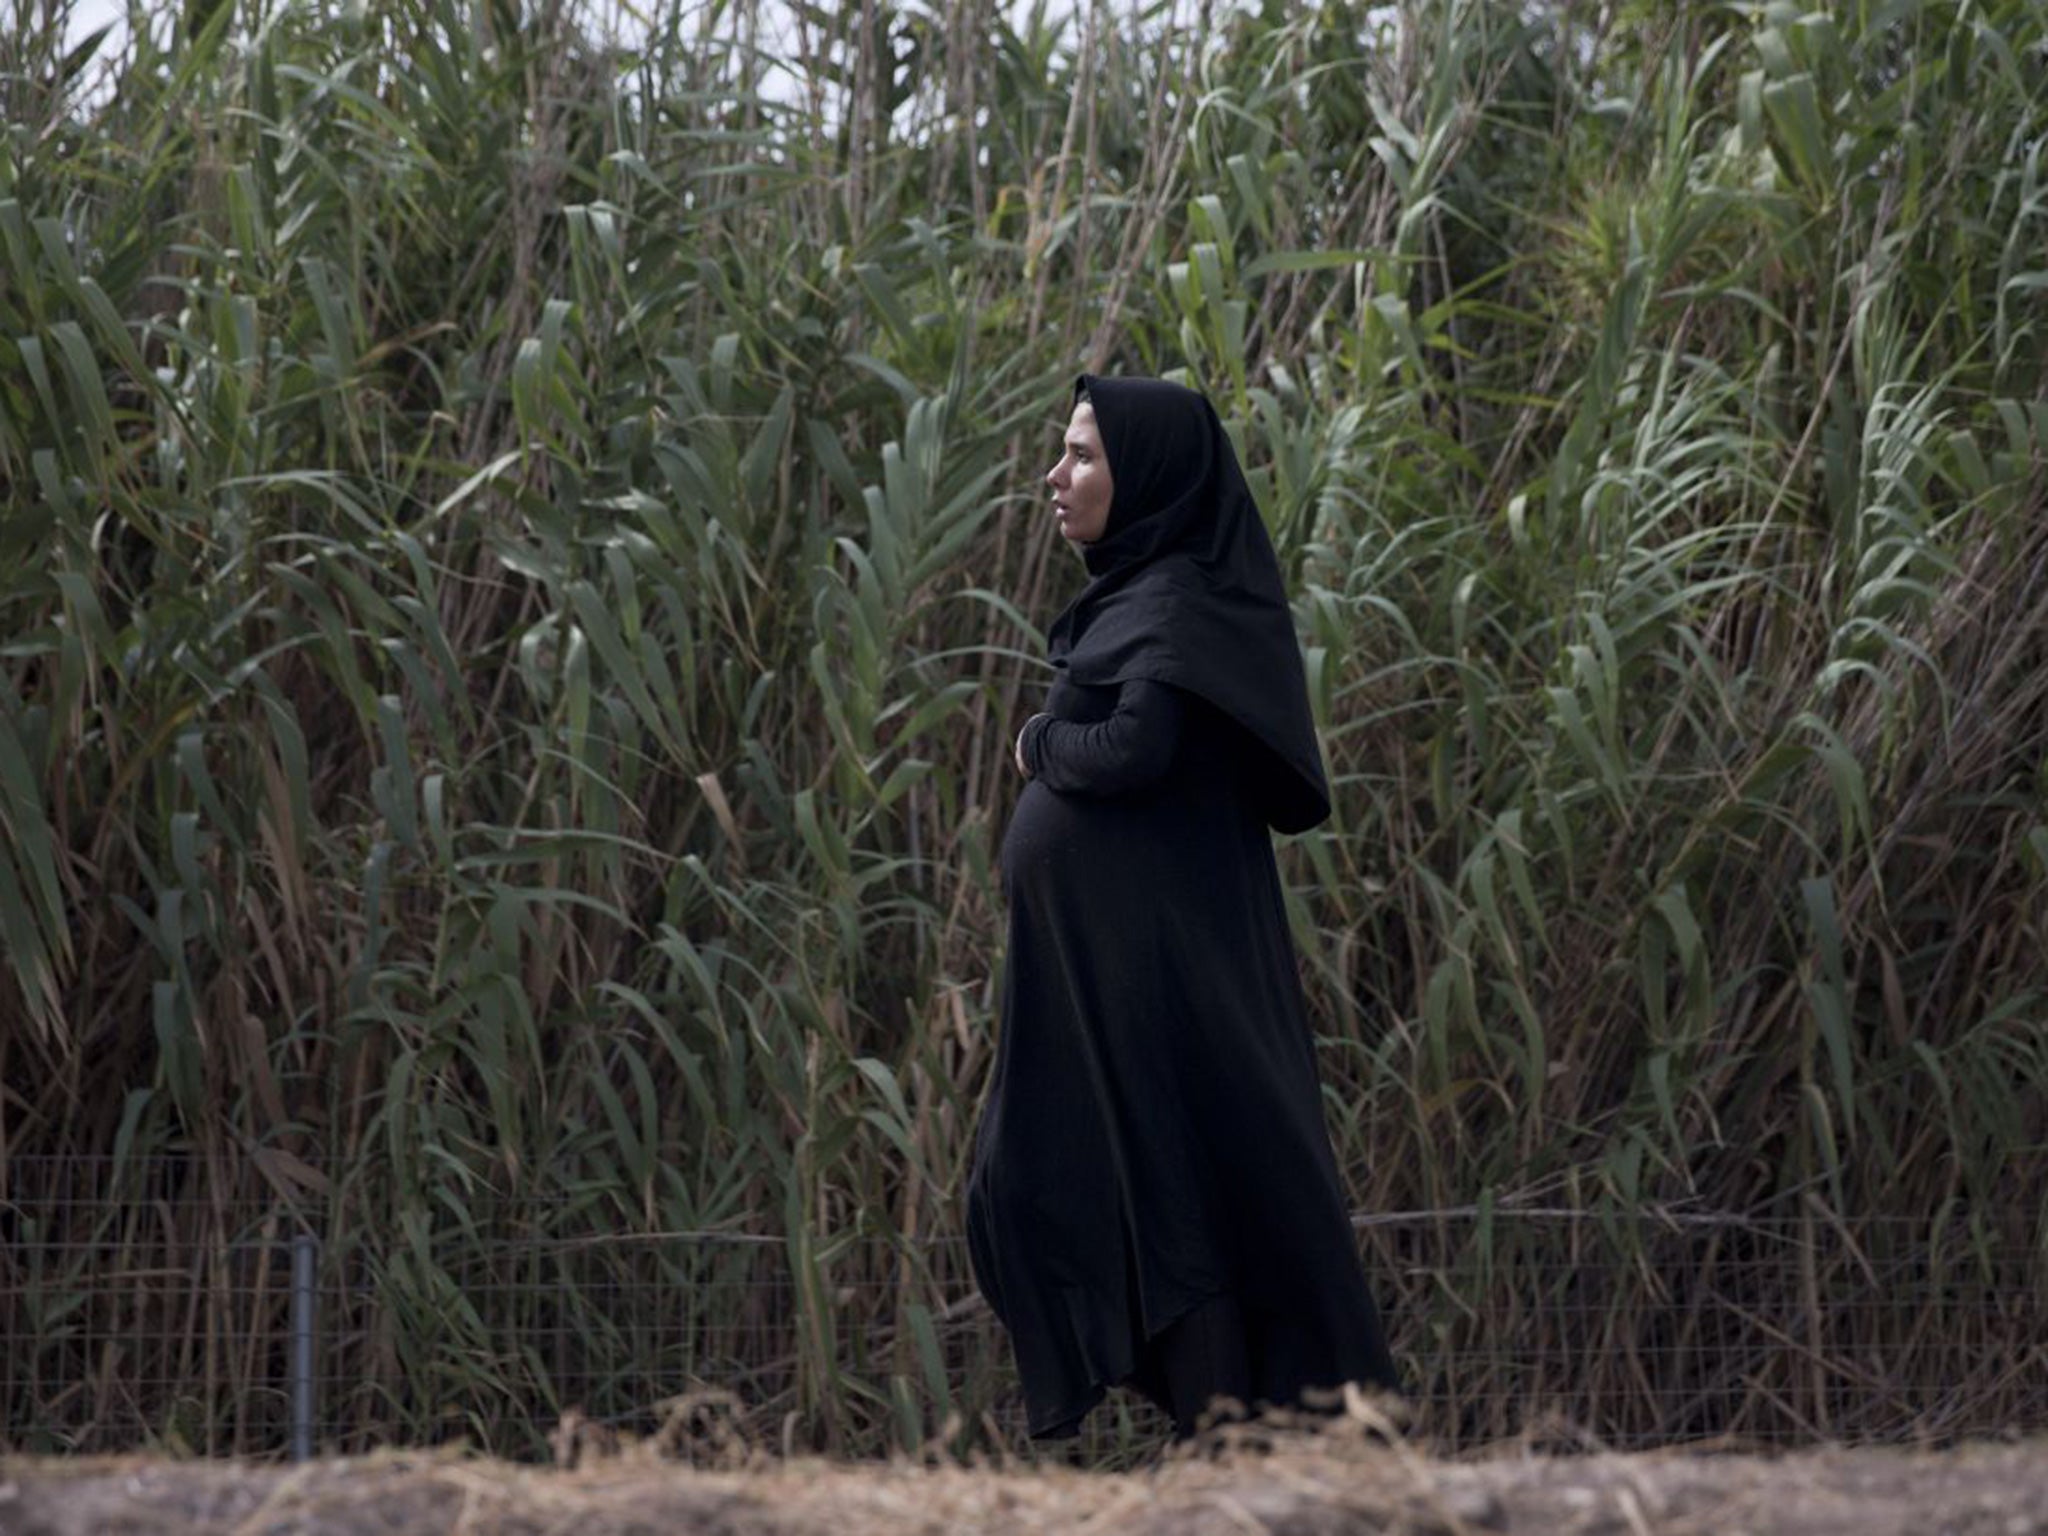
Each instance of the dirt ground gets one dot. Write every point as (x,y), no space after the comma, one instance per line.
(1232,1480)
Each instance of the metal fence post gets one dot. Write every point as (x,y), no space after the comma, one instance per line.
(305,1258)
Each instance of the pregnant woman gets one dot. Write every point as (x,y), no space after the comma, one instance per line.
(1153,1201)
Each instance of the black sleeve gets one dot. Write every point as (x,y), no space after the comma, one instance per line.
(1127,751)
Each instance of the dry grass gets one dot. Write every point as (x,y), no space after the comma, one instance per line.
(1233,1479)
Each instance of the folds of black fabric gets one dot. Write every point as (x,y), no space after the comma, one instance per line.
(1152,1151)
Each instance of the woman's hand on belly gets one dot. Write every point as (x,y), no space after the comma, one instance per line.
(1017,750)
(1024,767)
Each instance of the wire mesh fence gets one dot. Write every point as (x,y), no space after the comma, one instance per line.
(152,1303)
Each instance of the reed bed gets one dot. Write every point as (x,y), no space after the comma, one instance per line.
(522,558)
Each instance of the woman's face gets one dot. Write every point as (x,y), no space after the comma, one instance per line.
(1080,481)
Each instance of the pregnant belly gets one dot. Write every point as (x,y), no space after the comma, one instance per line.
(1089,849)
(1047,842)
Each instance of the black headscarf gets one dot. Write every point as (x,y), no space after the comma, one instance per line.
(1186,588)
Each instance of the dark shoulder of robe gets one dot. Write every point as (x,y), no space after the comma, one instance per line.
(1153,1137)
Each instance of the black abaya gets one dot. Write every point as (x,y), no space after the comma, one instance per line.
(1153,1199)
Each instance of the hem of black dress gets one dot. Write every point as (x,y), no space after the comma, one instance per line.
(1066,1424)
